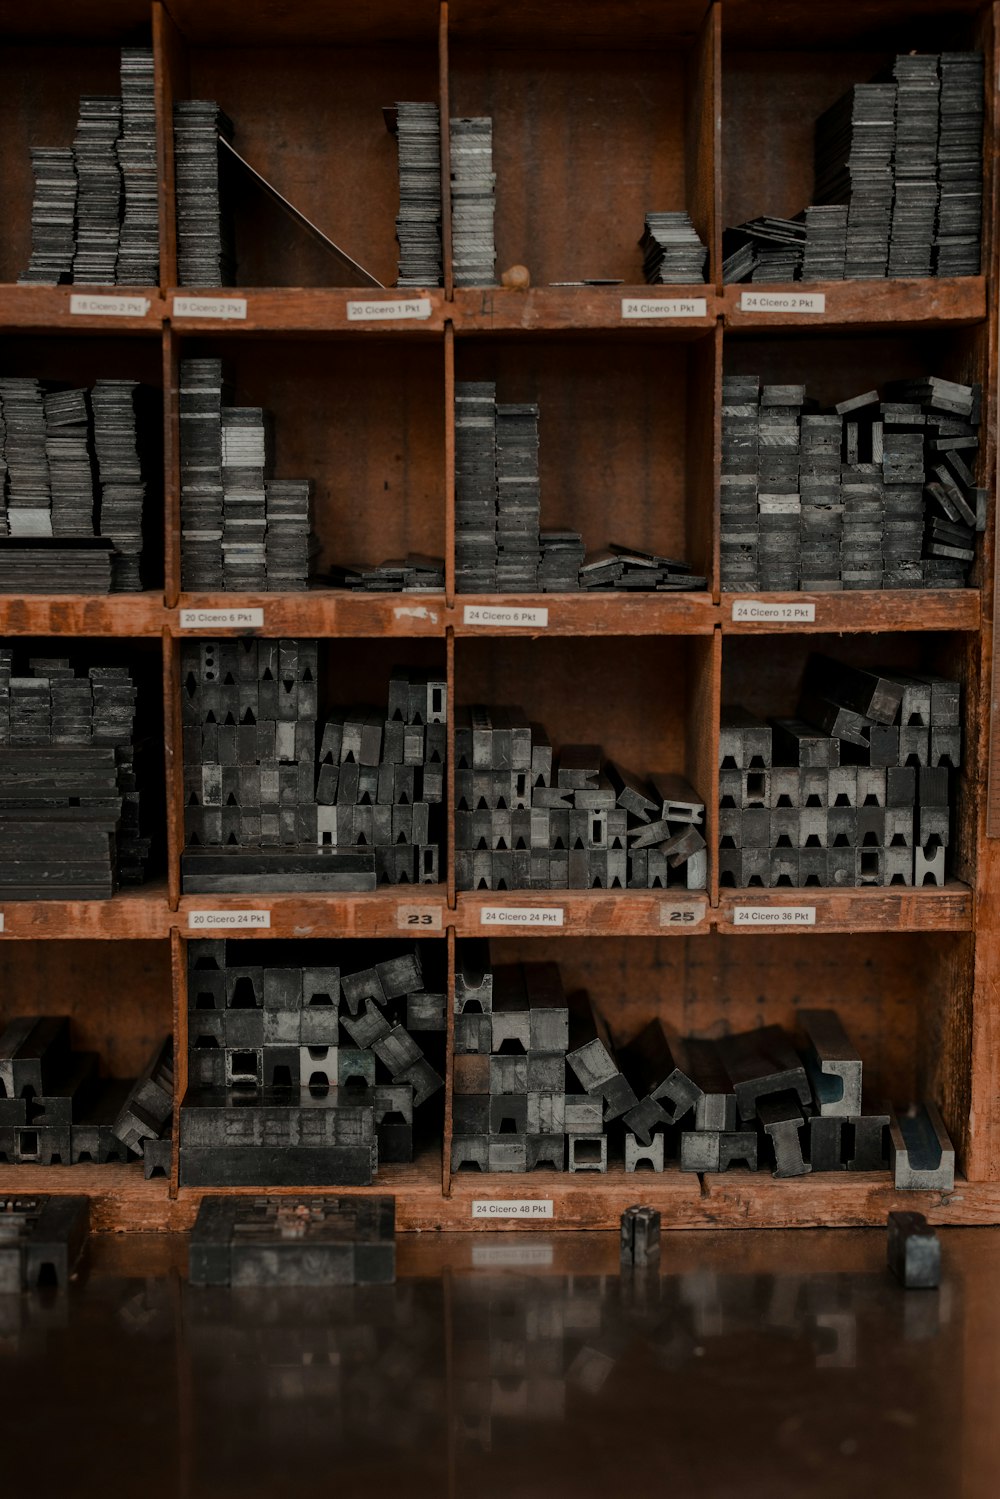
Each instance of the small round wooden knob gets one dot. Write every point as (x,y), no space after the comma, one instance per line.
(517,278)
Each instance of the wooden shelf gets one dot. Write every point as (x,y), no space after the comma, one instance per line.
(321,612)
(926,302)
(376,913)
(947,908)
(583,309)
(584,913)
(858,612)
(120,1198)
(138,913)
(118,614)
(314,310)
(588,614)
(47,309)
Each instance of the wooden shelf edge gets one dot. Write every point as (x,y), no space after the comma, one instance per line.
(317,612)
(123,1202)
(923,302)
(567,309)
(141,914)
(378,913)
(849,612)
(584,913)
(585,614)
(117,614)
(895,908)
(47,309)
(345,311)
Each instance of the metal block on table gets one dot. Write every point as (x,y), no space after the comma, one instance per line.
(913,1251)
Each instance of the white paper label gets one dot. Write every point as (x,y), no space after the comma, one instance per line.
(198,921)
(790,614)
(485,1256)
(683,913)
(1,921)
(532,1207)
(521,916)
(493,614)
(774,916)
(223,619)
(783,301)
(652,307)
(380,312)
(419,918)
(213,307)
(83,306)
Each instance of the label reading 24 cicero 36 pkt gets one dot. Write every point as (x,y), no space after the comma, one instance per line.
(774,916)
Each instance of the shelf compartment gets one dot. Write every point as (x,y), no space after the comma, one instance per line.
(860,611)
(584,613)
(651,101)
(635,467)
(320,139)
(924,302)
(371,438)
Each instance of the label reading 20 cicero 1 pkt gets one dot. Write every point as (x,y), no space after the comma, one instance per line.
(530,1207)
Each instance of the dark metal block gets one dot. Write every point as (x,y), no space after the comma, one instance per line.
(913,1251)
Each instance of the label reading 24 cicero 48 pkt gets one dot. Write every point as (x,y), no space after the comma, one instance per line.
(520,1207)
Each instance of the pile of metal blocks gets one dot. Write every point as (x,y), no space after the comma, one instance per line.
(56,1109)
(854,791)
(300,1074)
(530,818)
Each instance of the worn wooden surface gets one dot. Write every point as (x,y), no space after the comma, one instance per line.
(710,107)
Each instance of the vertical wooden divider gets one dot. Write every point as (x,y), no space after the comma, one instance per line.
(449,463)
(178,973)
(982,1162)
(450,767)
(703,166)
(444,105)
(449,1069)
(171,467)
(173,758)
(718,356)
(170,82)
(702,740)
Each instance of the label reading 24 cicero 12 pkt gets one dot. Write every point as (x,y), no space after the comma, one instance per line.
(763,611)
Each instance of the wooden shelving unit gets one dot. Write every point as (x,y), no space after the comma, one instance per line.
(704,104)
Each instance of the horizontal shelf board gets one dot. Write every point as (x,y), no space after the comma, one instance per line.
(856,612)
(378,913)
(947,908)
(556,309)
(139,913)
(312,310)
(924,302)
(587,614)
(120,1197)
(122,1201)
(582,913)
(82,614)
(320,612)
(48,309)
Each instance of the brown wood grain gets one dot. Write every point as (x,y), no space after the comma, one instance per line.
(128,614)
(171,82)
(921,303)
(314,310)
(46,308)
(589,614)
(947,908)
(321,612)
(573,309)
(141,913)
(852,611)
(373,914)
